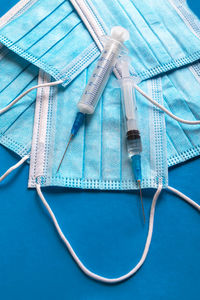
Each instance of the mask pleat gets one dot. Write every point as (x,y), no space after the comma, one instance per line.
(145,25)
(176,133)
(16,78)
(153,34)
(163,38)
(51,37)
(111,133)
(34,38)
(39,30)
(188,90)
(13,66)
(18,137)
(92,144)
(92,141)
(33,17)
(55,37)
(174,100)
(175,24)
(181,98)
(65,114)
(171,148)
(139,59)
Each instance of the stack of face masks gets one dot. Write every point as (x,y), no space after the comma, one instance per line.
(61,41)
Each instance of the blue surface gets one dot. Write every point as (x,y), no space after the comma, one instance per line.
(106,230)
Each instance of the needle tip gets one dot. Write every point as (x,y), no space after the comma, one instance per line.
(64,153)
(139,183)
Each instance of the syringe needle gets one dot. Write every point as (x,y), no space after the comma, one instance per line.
(141,200)
(65,152)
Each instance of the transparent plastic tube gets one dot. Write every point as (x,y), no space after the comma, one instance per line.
(99,78)
(134,145)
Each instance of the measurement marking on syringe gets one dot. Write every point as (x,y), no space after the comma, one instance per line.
(96,75)
(89,93)
(100,67)
(92,83)
(101,59)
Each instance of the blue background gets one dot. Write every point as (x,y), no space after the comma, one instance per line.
(105,229)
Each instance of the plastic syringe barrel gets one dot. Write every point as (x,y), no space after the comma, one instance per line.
(134,144)
(102,71)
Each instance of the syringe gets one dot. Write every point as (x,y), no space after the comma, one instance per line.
(134,145)
(99,78)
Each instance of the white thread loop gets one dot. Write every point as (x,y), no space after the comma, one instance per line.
(184,197)
(3,110)
(14,167)
(78,261)
(165,110)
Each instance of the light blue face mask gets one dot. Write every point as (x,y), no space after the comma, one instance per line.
(181,96)
(97,158)
(56,40)
(16,76)
(51,37)
(16,125)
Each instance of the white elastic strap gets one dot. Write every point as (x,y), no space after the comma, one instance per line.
(184,197)
(28,91)
(164,109)
(77,260)
(14,167)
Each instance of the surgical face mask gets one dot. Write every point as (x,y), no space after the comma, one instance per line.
(181,97)
(16,125)
(63,37)
(16,76)
(51,38)
(97,157)
(42,160)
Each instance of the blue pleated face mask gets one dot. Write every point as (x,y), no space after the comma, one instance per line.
(16,76)
(181,97)
(16,124)
(56,39)
(97,157)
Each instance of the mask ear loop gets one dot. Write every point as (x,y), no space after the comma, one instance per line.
(164,109)
(3,110)
(184,197)
(148,240)
(78,261)
(17,165)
